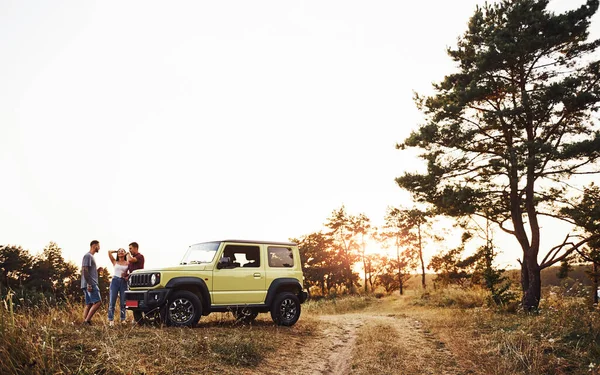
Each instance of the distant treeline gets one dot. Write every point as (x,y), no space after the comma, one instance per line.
(332,257)
(45,277)
(335,259)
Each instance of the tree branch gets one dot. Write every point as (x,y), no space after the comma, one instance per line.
(555,250)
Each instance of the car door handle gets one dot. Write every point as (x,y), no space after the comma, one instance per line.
(256,274)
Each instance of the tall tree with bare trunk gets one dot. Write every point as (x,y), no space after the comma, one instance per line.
(506,133)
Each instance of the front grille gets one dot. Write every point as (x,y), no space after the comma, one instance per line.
(141,279)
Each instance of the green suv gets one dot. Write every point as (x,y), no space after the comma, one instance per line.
(239,276)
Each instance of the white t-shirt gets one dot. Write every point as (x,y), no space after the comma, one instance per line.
(120,270)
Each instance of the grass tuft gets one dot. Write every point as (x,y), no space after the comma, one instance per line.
(239,351)
(337,305)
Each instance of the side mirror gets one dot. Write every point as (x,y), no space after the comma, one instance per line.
(223,262)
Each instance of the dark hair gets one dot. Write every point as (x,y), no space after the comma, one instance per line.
(124,254)
(135,244)
(94,242)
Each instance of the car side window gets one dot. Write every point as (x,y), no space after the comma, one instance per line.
(242,256)
(280,256)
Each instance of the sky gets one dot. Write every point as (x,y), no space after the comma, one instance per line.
(173,123)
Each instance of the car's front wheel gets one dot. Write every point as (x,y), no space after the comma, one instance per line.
(285,310)
(184,309)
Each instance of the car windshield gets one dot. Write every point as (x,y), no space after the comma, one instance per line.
(200,253)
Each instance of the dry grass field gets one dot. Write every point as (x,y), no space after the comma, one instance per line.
(441,332)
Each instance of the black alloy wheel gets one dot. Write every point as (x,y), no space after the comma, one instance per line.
(184,309)
(285,310)
(244,314)
(138,317)
(155,317)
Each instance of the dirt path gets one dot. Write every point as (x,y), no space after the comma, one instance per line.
(332,350)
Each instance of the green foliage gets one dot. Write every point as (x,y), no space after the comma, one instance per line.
(504,133)
(396,273)
(35,280)
(400,228)
(344,230)
(450,269)
(564,269)
(328,258)
(408,227)
(320,265)
(494,279)
(475,270)
(585,213)
(375,265)
(15,266)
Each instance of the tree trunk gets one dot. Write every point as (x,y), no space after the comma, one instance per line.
(532,295)
(421,258)
(595,282)
(365,266)
(400,284)
(524,276)
(350,284)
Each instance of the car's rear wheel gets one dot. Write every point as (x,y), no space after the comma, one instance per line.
(154,317)
(184,309)
(244,314)
(285,310)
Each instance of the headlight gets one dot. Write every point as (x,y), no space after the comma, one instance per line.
(155,278)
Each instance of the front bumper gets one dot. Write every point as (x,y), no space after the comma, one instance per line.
(145,300)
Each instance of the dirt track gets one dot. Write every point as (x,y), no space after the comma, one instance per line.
(332,350)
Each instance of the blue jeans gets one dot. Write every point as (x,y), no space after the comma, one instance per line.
(118,285)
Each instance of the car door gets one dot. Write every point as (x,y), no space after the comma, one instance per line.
(243,281)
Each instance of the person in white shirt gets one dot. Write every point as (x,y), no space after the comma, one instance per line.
(118,284)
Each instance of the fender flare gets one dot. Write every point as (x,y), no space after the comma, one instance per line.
(178,282)
(285,282)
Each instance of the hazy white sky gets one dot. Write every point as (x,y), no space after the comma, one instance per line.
(171,123)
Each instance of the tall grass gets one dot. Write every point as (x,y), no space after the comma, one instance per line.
(563,337)
(27,345)
(52,340)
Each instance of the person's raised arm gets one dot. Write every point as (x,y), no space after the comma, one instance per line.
(112,258)
(131,258)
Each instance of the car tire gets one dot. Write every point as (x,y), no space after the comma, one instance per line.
(285,310)
(152,318)
(244,314)
(138,317)
(183,309)
(155,317)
